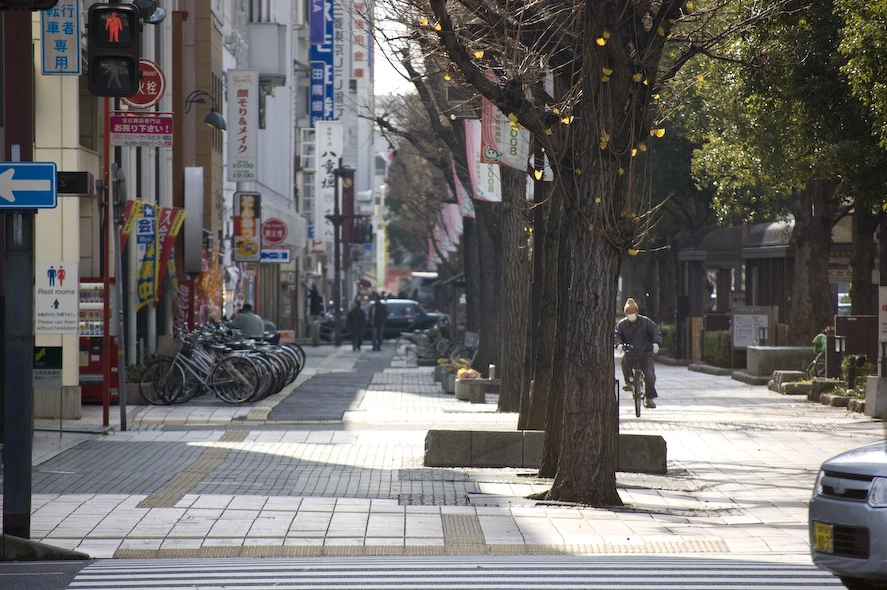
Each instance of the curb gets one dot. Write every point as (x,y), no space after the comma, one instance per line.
(17,549)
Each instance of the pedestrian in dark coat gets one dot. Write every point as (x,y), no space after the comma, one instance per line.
(354,323)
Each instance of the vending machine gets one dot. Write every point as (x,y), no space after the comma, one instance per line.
(92,340)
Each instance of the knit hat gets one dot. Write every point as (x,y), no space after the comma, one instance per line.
(630,306)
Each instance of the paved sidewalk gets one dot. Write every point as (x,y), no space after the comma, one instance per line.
(210,479)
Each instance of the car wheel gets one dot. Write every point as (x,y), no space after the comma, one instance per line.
(862,584)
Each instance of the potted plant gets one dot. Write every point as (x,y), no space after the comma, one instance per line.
(451,368)
(463,391)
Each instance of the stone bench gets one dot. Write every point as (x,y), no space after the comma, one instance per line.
(764,360)
(477,389)
(638,453)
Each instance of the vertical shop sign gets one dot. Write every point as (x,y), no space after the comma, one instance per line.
(146,255)
(243,120)
(60,38)
(247,221)
(321,60)
(329,140)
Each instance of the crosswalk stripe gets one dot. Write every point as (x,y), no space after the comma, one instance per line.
(444,573)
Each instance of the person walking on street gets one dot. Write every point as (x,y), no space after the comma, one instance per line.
(642,335)
(378,315)
(354,323)
(249,322)
(315,303)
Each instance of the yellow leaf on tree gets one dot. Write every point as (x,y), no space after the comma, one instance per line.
(597,200)
(657,132)
(637,77)
(606,71)
(424,22)
(642,147)
(634,152)
(548,131)
(567,120)
(606,34)
(578,172)
(605,78)
(661,31)
(632,251)
(479,53)
(447,77)
(437,27)
(620,172)
(601,41)
(537,174)
(700,77)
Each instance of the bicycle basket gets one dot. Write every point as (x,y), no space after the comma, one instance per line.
(168,346)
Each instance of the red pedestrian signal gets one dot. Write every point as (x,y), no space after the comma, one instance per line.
(113,49)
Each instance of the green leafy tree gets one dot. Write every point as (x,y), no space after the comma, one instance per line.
(782,135)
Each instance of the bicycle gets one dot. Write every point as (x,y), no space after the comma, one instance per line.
(816,368)
(636,360)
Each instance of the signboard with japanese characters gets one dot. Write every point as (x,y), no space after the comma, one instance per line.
(321,60)
(140,130)
(243,122)
(152,86)
(247,224)
(60,38)
(330,141)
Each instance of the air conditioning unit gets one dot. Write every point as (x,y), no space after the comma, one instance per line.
(267,52)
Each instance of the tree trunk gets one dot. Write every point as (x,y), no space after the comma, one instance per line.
(547,406)
(812,307)
(488,274)
(514,293)
(862,261)
(586,470)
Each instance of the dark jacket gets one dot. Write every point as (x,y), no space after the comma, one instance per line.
(355,321)
(640,335)
(378,314)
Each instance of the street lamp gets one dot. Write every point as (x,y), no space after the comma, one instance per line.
(213,118)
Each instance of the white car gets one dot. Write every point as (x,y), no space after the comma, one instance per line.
(848,517)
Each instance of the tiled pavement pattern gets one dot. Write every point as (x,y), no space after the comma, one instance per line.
(214,480)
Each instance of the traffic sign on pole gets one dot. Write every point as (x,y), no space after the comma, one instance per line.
(28,185)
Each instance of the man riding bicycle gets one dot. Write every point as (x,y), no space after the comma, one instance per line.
(641,334)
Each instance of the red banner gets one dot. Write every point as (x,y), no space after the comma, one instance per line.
(169,224)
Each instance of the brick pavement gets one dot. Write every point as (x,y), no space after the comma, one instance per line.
(214,480)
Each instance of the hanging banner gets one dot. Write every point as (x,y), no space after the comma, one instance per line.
(146,255)
(502,142)
(247,221)
(131,212)
(485,180)
(330,140)
(466,205)
(169,224)
(243,117)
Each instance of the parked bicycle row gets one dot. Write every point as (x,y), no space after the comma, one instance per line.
(221,361)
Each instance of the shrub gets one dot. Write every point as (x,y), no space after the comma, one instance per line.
(850,367)
(716,348)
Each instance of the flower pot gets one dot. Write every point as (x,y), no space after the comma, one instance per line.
(438,373)
(463,391)
(449,383)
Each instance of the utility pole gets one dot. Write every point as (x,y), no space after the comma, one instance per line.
(347,175)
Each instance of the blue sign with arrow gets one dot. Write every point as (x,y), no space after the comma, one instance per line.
(28,185)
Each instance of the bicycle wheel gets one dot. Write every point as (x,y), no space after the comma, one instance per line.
(234,380)
(638,378)
(161,381)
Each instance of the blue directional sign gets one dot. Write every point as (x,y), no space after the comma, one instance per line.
(28,185)
(279,255)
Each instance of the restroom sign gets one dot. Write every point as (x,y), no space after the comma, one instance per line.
(56,298)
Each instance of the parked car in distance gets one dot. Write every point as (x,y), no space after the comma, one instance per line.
(404,315)
(848,517)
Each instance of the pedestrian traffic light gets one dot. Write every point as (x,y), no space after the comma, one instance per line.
(113,49)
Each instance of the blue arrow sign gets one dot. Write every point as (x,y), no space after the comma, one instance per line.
(28,185)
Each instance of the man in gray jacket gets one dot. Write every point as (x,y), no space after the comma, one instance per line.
(642,335)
